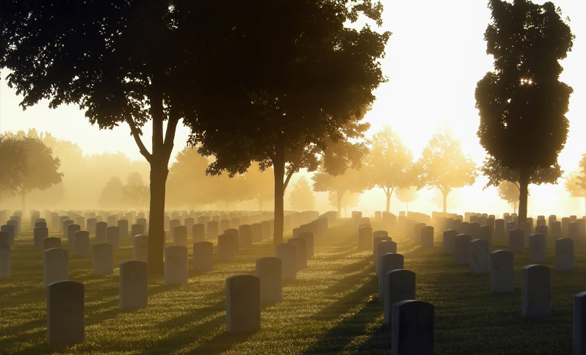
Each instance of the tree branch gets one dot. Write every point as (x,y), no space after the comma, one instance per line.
(136,135)
(171,129)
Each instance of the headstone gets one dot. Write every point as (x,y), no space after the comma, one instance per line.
(180,235)
(398,285)
(140,244)
(580,324)
(542,229)
(270,272)
(233,232)
(388,262)
(142,221)
(203,256)
(526,228)
(536,291)
(39,233)
(301,245)
(565,224)
(55,266)
(189,222)
(412,328)
(502,278)
(122,225)
(224,224)
(288,254)
(365,237)
(72,228)
(175,265)
(449,240)
(499,227)
(242,304)
(133,290)
(103,259)
(256,230)
(474,229)
(479,257)
(510,226)
(556,229)
(4,260)
(91,225)
(227,247)
(51,242)
(537,248)
(427,237)
(198,233)
(101,232)
(172,224)
(11,231)
(564,254)
(113,236)
(136,229)
(383,247)
(65,230)
(213,229)
(111,220)
(462,249)
(486,234)
(81,243)
(516,241)
(308,236)
(574,231)
(65,313)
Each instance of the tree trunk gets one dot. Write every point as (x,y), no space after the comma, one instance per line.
(445,194)
(389,193)
(524,176)
(156,240)
(407,207)
(584,205)
(340,195)
(515,206)
(23,202)
(279,174)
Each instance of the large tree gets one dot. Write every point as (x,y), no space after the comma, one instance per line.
(301,75)
(123,62)
(522,104)
(444,166)
(389,164)
(14,163)
(338,186)
(576,182)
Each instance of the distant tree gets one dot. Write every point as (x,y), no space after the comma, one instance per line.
(41,168)
(260,184)
(112,196)
(509,192)
(302,75)
(407,195)
(135,191)
(522,103)
(188,183)
(350,199)
(389,163)
(14,163)
(443,164)
(302,198)
(351,181)
(576,182)
(230,189)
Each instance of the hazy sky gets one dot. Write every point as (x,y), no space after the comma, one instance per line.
(434,59)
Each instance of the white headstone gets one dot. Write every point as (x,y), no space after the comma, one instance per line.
(133,290)
(270,272)
(175,265)
(55,266)
(479,257)
(288,254)
(203,256)
(537,244)
(103,259)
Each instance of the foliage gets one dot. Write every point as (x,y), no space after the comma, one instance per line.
(135,191)
(112,196)
(407,195)
(522,101)
(509,192)
(298,75)
(497,173)
(14,163)
(389,164)
(352,181)
(576,182)
(444,166)
(349,199)
(301,197)
(260,184)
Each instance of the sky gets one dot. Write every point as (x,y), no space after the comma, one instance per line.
(434,59)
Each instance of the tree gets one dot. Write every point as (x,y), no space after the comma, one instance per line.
(389,163)
(509,192)
(298,78)
(129,62)
(135,191)
(576,182)
(41,168)
(443,164)
(14,163)
(407,195)
(260,184)
(351,181)
(522,103)
(112,196)
(302,198)
(350,199)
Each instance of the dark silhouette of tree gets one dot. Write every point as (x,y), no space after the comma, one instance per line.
(297,78)
(444,166)
(576,182)
(407,195)
(301,197)
(36,168)
(522,103)
(389,164)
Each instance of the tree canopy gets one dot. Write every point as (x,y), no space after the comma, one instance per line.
(351,181)
(509,192)
(444,166)
(576,182)
(389,164)
(301,197)
(298,76)
(14,164)
(522,104)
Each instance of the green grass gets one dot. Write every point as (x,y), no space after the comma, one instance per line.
(332,307)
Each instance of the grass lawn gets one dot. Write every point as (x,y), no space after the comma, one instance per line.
(332,307)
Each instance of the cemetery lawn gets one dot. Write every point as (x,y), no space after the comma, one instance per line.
(331,308)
